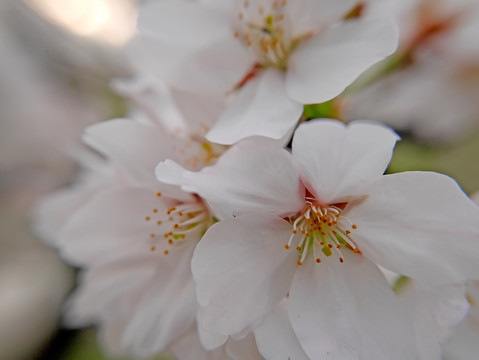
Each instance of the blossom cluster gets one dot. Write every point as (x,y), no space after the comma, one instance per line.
(221,221)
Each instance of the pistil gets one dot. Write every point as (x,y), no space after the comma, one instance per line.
(322,230)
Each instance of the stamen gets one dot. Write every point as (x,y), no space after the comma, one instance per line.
(177,222)
(322,230)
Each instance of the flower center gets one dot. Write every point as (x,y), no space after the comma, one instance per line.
(264,32)
(195,151)
(181,222)
(322,231)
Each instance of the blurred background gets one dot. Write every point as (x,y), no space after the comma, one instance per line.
(57,61)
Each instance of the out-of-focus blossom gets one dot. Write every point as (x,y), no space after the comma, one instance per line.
(269,57)
(433,92)
(134,239)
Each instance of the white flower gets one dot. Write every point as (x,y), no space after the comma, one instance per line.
(433,93)
(133,238)
(441,105)
(312,227)
(274,55)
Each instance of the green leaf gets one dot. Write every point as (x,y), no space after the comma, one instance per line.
(459,160)
(328,109)
(85,347)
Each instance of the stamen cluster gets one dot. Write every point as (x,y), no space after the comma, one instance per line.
(178,223)
(321,229)
(265,34)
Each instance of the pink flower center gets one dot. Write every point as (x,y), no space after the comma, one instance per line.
(322,231)
(188,220)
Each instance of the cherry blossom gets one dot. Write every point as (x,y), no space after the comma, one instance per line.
(268,57)
(132,236)
(312,227)
(437,76)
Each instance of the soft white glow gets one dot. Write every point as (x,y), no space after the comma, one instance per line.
(111,21)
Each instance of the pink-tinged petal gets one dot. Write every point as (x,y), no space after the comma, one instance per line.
(195,46)
(152,97)
(242,270)
(136,294)
(134,146)
(325,65)
(210,339)
(114,224)
(465,343)
(189,347)
(435,312)
(244,348)
(170,172)
(347,311)
(52,212)
(276,338)
(214,69)
(159,320)
(260,108)
(103,285)
(421,225)
(200,111)
(338,161)
(185,23)
(252,177)
(308,15)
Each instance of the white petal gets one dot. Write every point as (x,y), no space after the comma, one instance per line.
(307,15)
(134,146)
(465,343)
(159,320)
(214,69)
(189,347)
(260,108)
(210,339)
(323,66)
(276,338)
(184,23)
(253,176)
(421,225)
(101,286)
(435,311)
(243,349)
(346,311)
(338,161)
(113,225)
(197,44)
(137,294)
(242,271)
(52,212)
